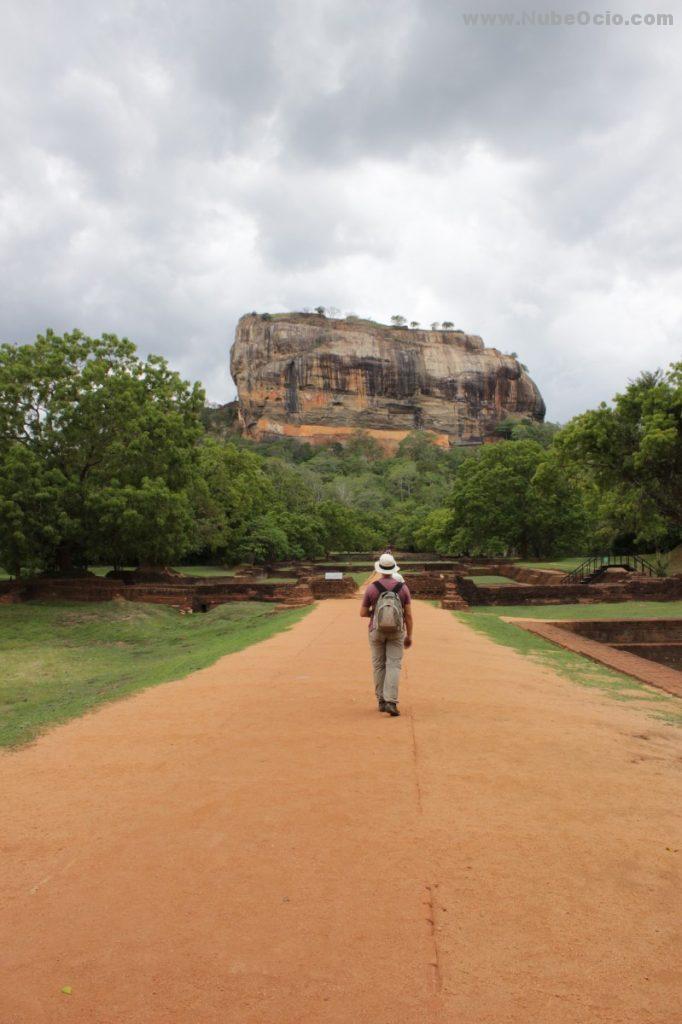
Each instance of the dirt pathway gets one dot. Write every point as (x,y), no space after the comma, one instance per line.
(257,845)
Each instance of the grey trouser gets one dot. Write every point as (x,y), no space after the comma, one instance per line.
(387,657)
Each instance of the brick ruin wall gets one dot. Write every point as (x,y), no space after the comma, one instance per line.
(322,588)
(659,640)
(189,596)
(520,573)
(668,589)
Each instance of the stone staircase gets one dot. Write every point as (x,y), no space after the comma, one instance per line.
(452,599)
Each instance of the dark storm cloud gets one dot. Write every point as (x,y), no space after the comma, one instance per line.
(167,166)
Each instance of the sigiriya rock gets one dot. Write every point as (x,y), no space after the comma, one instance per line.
(306,376)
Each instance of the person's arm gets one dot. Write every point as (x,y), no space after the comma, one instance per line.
(408,624)
(366,606)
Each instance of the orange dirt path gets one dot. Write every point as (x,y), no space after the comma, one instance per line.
(255,844)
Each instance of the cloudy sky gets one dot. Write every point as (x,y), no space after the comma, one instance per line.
(167,166)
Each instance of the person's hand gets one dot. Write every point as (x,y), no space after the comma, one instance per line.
(408,641)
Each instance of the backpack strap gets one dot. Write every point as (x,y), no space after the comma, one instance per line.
(380,586)
(396,590)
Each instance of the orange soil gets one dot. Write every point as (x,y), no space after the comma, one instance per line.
(255,844)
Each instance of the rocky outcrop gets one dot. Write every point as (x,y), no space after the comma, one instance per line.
(306,376)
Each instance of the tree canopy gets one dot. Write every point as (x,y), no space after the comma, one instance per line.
(633,451)
(108,458)
(96,453)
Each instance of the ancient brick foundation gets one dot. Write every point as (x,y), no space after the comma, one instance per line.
(520,573)
(322,588)
(658,640)
(639,589)
(426,585)
(654,663)
(192,595)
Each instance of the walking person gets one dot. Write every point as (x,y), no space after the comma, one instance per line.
(388,606)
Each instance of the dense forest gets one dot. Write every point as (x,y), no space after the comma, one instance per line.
(106,458)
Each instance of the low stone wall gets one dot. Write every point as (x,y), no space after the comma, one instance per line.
(426,585)
(209,595)
(669,589)
(11,591)
(656,671)
(406,568)
(322,588)
(93,588)
(627,631)
(658,640)
(520,573)
(190,596)
(669,655)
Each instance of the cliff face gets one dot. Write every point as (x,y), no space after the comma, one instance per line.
(305,376)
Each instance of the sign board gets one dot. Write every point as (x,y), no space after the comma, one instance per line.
(333,575)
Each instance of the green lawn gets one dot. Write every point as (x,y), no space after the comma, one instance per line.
(61,660)
(360,577)
(204,570)
(567,564)
(566,663)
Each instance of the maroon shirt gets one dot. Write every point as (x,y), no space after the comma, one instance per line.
(372,592)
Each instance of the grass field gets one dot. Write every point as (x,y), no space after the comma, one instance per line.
(575,667)
(59,661)
(360,577)
(567,564)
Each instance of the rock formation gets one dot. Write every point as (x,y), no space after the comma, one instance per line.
(302,375)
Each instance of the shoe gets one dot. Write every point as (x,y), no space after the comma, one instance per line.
(382,705)
(392,709)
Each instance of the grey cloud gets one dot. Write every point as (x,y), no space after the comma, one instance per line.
(168,166)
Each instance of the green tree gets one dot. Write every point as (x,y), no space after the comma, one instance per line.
(267,540)
(402,475)
(98,424)
(362,450)
(420,447)
(290,484)
(398,321)
(30,510)
(515,499)
(231,491)
(147,523)
(633,449)
(435,530)
(346,529)
(527,430)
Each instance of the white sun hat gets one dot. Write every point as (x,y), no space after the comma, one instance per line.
(386,565)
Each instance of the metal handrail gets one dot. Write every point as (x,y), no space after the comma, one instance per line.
(591,566)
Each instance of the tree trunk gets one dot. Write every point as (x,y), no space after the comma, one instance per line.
(64,558)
